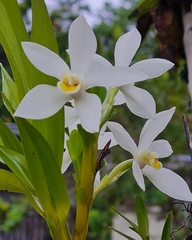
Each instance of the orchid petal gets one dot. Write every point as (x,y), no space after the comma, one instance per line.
(119,99)
(97,179)
(152,128)
(153,67)
(126,47)
(105,138)
(65,142)
(66,161)
(162,147)
(100,61)
(169,183)
(74,125)
(123,138)
(82,46)
(41,102)
(103,129)
(138,175)
(70,116)
(139,101)
(112,76)
(45,60)
(88,108)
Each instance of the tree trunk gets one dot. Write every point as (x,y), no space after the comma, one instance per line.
(187,43)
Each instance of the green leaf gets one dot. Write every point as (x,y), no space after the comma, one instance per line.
(75,148)
(45,174)
(87,166)
(167,227)
(52,129)
(142,218)
(9,139)
(89,139)
(122,234)
(15,19)
(134,226)
(9,92)
(75,144)
(17,163)
(12,32)
(42,33)
(10,182)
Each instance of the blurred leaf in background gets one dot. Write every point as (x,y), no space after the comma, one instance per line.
(12,212)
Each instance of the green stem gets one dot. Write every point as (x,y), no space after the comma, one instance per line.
(84,192)
(108,104)
(82,218)
(84,188)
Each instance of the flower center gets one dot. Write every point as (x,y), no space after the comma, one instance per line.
(149,158)
(70,84)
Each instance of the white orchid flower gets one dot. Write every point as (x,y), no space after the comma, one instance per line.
(71,118)
(146,154)
(44,100)
(139,101)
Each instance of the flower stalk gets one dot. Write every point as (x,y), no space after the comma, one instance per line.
(108,104)
(84,191)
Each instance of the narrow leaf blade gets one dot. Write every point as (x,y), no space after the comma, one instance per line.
(11,183)
(12,32)
(9,139)
(122,234)
(16,162)
(142,218)
(9,92)
(134,226)
(43,34)
(45,174)
(167,227)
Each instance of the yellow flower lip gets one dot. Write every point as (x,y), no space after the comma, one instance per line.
(149,158)
(155,163)
(70,84)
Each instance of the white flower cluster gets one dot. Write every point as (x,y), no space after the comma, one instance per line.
(87,69)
